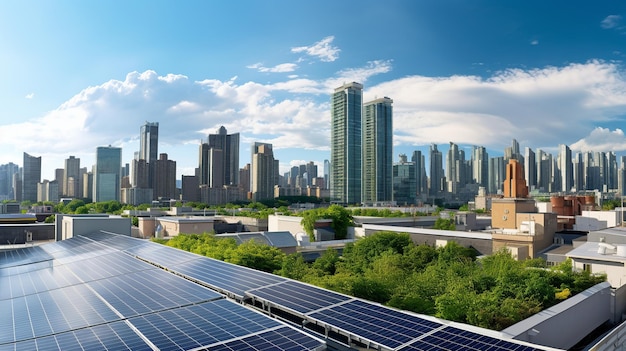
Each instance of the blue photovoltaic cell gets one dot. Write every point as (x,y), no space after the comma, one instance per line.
(284,338)
(111,336)
(450,338)
(161,255)
(376,323)
(36,281)
(106,266)
(119,242)
(225,276)
(201,325)
(299,297)
(51,312)
(150,291)
(23,256)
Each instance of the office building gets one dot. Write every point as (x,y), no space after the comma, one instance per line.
(48,191)
(219,159)
(565,167)
(437,178)
(107,174)
(149,148)
(345,147)
(377,155)
(263,172)
(165,180)
(480,166)
(530,168)
(421,179)
(71,178)
(31,176)
(7,172)
(326,174)
(404,182)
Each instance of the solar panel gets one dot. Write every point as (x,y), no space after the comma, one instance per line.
(106,266)
(297,296)
(149,291)
(225,277)
(284,338)
(161,255)
(375,323)
(23,256)
(450,338)
(119,242)
(51,312)
(111,336)
(36,281)
(201,325)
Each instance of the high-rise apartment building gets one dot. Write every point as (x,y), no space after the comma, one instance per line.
(107,174)
(497,169)
(345,147)
(453,169)
(264,172)
(165,181)
(71,186)
(377,155)
(31,176)
(480,166)
(326,174)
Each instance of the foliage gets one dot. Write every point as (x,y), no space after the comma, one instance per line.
(464,207)
(448,282)
(50,219)
(444,224)
(341,220)
(610,205)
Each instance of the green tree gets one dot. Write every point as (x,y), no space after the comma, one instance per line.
(444,224)
(294,267)
(258,256)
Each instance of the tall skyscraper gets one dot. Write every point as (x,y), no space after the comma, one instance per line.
(71,178)
(566,169)
(219,159)
(326,174)
(530,168)
(264,172)
(453,169)
(421,179)
(404,182)
(497,169)
(437,179)
(149,148)
(165,181)
(480,166)
(377,156)
(345,143)
(7,171)
(31,176)
(107,174)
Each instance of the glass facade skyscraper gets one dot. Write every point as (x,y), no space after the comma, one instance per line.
(377,151)
(31,176)
(107,174)
(345,147)
(149,148)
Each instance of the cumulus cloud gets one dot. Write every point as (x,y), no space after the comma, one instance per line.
(611,21)
(323,50)
(534,42)
(545,106)
(29,96)
(281,68)
(601,139)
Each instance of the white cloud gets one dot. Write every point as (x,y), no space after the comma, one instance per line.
(534,42)
(29,96)
(544,106)
(323,50)
(281,68)
(611,21)
(601,139)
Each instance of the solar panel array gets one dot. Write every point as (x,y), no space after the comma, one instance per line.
(114,292)
(97,294)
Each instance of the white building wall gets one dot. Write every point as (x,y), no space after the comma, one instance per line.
(597,220)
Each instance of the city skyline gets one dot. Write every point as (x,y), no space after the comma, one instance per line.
(543,73)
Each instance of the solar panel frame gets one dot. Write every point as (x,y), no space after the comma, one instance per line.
(283,338)
(451,338)
(374,323)
(161,255)
(298,297)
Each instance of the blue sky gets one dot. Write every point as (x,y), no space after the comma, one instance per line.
(81,74)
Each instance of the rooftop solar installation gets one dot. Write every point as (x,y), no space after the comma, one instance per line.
(298,297)
(283,338)
(225,277)
(161,255)
(23,256)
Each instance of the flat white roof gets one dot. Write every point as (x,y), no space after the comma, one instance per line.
(589,251)
(411,230)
